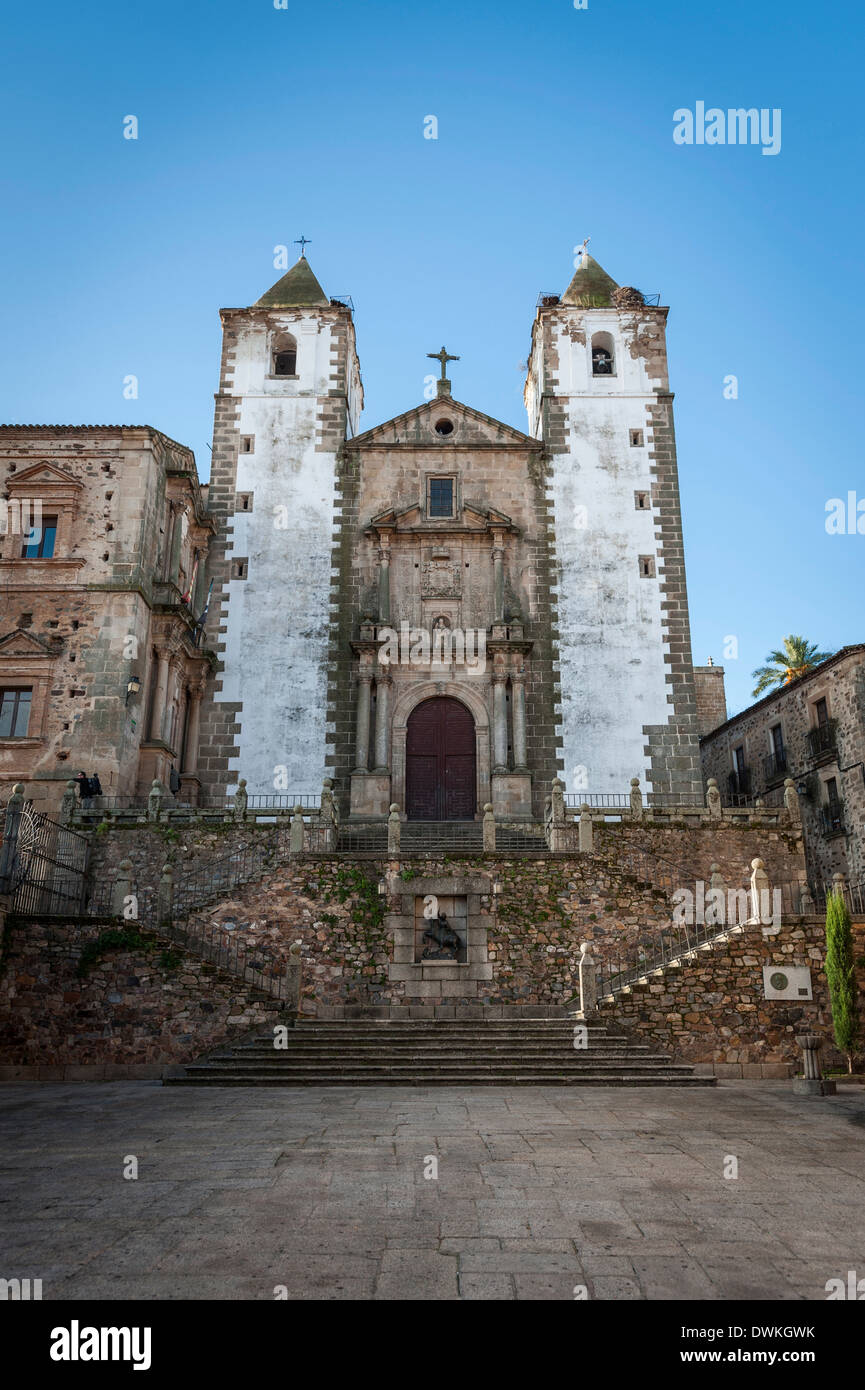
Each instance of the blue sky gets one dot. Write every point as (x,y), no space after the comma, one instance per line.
(257,125)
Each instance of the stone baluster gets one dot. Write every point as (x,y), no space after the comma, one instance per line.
(586,840)
(67,804)
(296,832)
(489,829)
(154,800)
(122,889)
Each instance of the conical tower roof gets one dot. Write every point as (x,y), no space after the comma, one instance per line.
(591,286)
(298,288)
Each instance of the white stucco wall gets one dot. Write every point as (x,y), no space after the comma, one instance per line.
(279,616)
(613,674)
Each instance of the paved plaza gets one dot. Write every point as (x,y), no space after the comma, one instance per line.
(539,1191)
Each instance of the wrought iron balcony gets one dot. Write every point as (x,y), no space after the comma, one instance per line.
(822,740)
(832,818)
(740,782)
(775,766)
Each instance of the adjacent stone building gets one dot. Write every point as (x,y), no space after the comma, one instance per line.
(812,730)
(103,542)
(444,611)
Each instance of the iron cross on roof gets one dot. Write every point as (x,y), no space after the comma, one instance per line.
(444,357)
(303,242)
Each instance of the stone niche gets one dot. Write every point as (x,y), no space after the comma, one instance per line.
(441,955)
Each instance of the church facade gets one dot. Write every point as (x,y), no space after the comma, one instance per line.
(444,611)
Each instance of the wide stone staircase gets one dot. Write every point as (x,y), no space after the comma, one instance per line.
(437,1053)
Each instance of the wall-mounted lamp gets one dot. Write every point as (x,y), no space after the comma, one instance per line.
(804,789)
(133,685)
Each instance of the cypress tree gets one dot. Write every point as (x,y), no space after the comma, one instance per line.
(841,975)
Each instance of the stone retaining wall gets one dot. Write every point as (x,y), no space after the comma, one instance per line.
(134,1011)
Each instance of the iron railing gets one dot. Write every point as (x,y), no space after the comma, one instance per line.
(832,819)
(775,766)
(822,740)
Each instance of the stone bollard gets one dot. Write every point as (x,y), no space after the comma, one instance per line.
(557,802)
(9,851)
(806,902)
(394,829)
(489,829)
(67,804)
(761,894)
(122,890)
(328,814)
(636,799)
(791,799)
(588,982)
(296,832)
(241,800)
(713,799)
(586,840)
(165,895)
(293,982)
(811,1083)
(154,800)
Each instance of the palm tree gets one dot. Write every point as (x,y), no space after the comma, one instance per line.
(795,658)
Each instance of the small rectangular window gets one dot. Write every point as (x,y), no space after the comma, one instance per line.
(239,569)
(647,567)
(636,437)
(243,502)
(821,712)
(247,443)
(285,363)
(42,548)
(441,497)
(642,501)
(15,705)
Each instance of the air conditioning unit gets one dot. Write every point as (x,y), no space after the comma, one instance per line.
(787,982)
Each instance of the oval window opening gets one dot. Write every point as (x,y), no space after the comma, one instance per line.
(444,426)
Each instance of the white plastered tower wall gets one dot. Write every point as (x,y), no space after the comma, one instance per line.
(279,497)
(627,699)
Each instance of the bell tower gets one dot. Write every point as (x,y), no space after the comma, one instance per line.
(597,393)
(289,396)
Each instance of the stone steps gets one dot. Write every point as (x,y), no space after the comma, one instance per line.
(442,1053)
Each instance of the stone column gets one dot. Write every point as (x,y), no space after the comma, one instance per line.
(361,760)
(586,833)
(190,759)
(498,581)
(384,585)
(157,718)
(518,686)
(382,723)
(500,725)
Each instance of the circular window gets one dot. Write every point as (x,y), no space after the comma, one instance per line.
(444,426)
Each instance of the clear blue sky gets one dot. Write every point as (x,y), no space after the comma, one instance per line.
(258,124)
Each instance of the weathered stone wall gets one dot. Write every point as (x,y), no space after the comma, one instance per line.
(77,625)
(134,1010)
(628,706)
(714,1012)
(841,682)
(272,628)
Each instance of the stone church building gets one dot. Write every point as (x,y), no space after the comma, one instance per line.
(443,611)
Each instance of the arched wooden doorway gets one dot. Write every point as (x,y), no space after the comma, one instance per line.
(441,776)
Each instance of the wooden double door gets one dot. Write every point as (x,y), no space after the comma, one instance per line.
(441,770)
